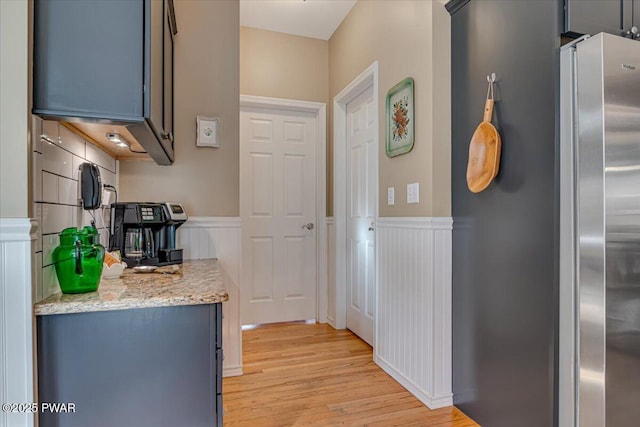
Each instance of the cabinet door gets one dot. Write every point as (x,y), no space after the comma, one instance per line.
(87,59)
(154,19)
(636,13)
(594,16)
(168,62)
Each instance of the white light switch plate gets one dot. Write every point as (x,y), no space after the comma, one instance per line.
(413,193)
(391,196)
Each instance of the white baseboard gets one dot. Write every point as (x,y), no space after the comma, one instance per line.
(331,322)
(432,402)
(16,319)
(231,371)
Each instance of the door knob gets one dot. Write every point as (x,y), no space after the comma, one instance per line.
(371,227)
(308,226)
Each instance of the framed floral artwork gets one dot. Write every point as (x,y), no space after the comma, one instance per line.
(400,118)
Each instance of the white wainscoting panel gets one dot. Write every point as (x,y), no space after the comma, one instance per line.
(331,271)
(16,318)
(413,319)
(219,237)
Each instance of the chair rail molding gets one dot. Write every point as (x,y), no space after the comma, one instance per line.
(413,314)
(16,318)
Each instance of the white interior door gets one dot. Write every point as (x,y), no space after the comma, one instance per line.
(278,209)
(362,178)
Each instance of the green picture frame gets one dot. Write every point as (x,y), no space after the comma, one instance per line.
(400,118)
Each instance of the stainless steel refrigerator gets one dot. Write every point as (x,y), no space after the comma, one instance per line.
(599,342)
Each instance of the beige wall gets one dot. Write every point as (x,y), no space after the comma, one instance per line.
(283,65)
(409,39)
(206,180)
(14,109)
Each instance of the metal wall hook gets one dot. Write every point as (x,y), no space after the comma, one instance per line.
(491,79)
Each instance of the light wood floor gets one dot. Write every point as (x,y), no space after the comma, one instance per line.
(299,374)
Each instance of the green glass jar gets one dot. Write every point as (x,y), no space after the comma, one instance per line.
(78,260)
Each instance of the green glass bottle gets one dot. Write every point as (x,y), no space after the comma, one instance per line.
(78,260)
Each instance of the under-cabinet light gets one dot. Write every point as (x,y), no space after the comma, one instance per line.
(117,139)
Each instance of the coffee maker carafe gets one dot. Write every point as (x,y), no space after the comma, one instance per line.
(139,243)
(144,233)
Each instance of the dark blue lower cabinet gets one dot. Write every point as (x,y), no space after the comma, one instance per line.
(140,367)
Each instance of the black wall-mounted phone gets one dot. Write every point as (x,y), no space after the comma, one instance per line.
(90,186)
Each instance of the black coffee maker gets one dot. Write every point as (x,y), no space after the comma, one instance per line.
(145,232)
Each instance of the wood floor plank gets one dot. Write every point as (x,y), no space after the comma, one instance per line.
(298,374)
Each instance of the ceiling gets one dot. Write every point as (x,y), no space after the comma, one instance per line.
(309,18)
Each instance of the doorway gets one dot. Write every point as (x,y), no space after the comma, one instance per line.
(356,203)
(282,208)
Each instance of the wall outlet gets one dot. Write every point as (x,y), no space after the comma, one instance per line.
(413,193)
(391,196)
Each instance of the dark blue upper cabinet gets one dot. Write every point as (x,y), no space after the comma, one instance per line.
(599,16)
(108,62)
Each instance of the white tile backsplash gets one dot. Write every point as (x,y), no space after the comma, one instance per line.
(49,188)
(104,237)
(107,176)
(36,173)
(50,130)
(75,166)
(86,218)
(100,158)
(55,188)
(56,218)
(37,276)
(49,281)
(72,142)
(36,131)
(37,215)
(49,243)
(67,191)
(56,160)
(101,221)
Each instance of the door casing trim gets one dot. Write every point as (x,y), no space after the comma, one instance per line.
(368,77)
(320,110)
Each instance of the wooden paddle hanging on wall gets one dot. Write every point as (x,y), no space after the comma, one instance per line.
(485,147)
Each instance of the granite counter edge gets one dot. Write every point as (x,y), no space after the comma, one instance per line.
(54,308)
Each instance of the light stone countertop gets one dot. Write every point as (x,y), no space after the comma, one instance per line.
(197,282)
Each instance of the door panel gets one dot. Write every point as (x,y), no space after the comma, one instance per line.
(293,182)
(294,267)
(277,199)
(262,185)
(362,178)
(262,269)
